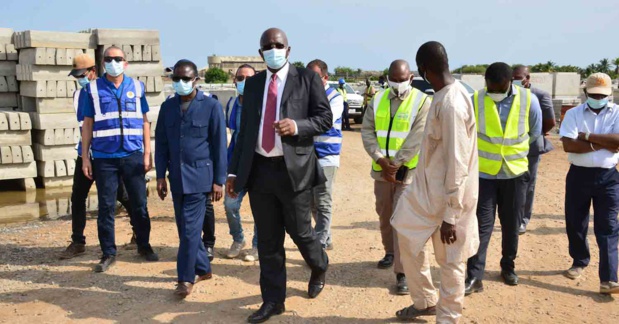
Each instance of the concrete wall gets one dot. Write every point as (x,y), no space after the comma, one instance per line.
(566,85)
(542,81)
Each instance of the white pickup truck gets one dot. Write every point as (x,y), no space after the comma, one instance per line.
(355,101)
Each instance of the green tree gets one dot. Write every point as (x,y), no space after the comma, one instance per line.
(551,66)
(604,66)
(344,71)
(386,72)
(215,75)
(298,64)
(616,64)
(471,69)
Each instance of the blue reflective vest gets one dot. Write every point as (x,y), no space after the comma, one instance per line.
(330,143)
(118,122)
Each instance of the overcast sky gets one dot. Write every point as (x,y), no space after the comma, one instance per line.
(358,34)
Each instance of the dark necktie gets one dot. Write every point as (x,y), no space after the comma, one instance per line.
(268,132)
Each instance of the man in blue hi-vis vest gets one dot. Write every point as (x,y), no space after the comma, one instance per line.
(328,147)
(117,131)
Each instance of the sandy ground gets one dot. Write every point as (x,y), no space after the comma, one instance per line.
(36,287)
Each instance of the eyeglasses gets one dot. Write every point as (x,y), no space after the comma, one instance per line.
(109,59)
(272,46)
(185,79)
(83,75)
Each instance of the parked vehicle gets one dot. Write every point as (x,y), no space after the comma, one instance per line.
(355,101)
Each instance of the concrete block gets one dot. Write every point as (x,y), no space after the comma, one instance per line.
(8,99)
(35,38)
(4,86)
(53,121)
(13,119)
(51,89)
(71,87)
(33,56)
(22,137)
(144,69)
(126,36)
(542,80)
(566,85)
(137,53)
(155,53)
(70,54)
(150,84)
(50,54)
(16,152)
(45,137)
(61,56)
(11,52)
(155,99)
(4,123)
(70,166)
(6,157)
(77,135)
(46,169)
(27,154)
(128,52)
(68,136)
(48,106)
(6,35)
(59,137)
(34,89)
(61,168)
(61,89)
(12,83)
(2,52)
(18,171)
(24,121)
(53,153)
(57,182)
(29,72)
(158,84)
(147,55)
(8,68)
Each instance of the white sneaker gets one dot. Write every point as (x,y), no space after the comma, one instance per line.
(251,256)
(235,250)
(574,272)
(609,287)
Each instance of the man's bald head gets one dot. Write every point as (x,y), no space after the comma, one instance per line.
(271,37)
(521,72)
(399,71)
(432,56)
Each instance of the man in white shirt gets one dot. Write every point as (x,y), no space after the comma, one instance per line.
(284,107)
(328,147)
(590,134)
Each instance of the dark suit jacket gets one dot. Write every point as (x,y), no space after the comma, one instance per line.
(542,145)
(304,100)
(192,147)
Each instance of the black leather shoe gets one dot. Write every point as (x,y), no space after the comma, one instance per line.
(472,286)
(209,253)
(522,229)
(265,312)
(106,262)
(148,254)
(509,277)
(401,286)
(386,262)
(316,283)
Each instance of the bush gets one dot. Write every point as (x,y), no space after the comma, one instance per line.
(215,75)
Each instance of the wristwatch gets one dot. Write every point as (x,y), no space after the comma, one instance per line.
(587,136)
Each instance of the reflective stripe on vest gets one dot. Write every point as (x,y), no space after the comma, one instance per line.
(330,143)
(391,132)
(117,128)
(496,145)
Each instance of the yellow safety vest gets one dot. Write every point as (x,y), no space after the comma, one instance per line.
(391,132)
(343,93)
(496,145)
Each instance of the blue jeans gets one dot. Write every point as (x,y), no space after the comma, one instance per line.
(107,174)
(233,214)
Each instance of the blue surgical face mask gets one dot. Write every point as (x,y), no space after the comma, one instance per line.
(597,103)
(83,81)
(517,83)
(275,58)
(240,87)
(114,68)
(183,88)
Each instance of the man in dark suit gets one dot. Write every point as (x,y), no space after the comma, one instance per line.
(274,159)
(541,145)
(191,145)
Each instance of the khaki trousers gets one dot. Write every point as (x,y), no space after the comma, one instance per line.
(387,195)
(419,277)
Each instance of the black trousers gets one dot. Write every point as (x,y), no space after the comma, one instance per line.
(345,117)
(277,209)
(81,187)
(208,228)
(509,196)
(528,208)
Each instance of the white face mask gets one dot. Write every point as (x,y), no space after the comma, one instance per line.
(497,97)
(400,88)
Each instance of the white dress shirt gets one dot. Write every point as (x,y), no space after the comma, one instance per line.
(282,75)
(582,120)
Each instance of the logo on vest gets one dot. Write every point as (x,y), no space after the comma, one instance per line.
(402,116)
(130,95)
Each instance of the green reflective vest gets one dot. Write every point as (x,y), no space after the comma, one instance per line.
(497,146)
(342,93)
(391,132)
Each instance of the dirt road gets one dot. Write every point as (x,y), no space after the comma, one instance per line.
(35,287)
